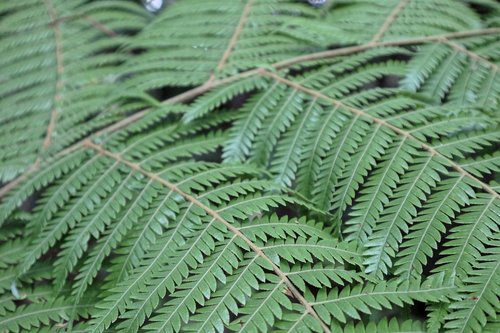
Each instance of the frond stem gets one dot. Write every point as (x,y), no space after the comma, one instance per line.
(234,39)
(53,115)
(13,184)
(389,20)
(358,48)
(96,24)
(99,26)
(59,71)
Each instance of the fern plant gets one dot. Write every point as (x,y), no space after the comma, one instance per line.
(249,166)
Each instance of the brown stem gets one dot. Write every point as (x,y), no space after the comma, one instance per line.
(389,20)
(215,215)
(13,184)
(98,25)
(381,122)
(236,34)
(59,72)
(402,42)
(50,129)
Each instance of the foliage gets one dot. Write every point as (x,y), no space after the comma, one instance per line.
(249,166)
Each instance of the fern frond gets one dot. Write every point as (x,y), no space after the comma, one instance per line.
(423,238)
(465,71)
(51,76)
(468,239)
(339,305)
(249,166)
(181,250)
(33,316)
(333,187)
(481,298)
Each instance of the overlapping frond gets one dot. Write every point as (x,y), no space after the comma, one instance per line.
(328,168)
(394,168)
(189,226)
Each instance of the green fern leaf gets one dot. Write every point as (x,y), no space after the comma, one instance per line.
(249,166)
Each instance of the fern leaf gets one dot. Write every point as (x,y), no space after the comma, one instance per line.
(481,300)
(339,305)
(34,315)
(251,165)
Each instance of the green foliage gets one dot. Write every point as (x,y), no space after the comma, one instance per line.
(249,166)
(43,61)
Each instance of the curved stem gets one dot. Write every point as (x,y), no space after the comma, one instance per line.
(358,48)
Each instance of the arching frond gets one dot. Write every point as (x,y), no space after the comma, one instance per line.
(249,166)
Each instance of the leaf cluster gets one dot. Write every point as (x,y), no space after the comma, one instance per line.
(249,166)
